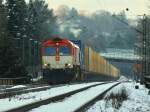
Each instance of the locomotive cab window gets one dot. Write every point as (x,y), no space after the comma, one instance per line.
(64,50)
(50,51)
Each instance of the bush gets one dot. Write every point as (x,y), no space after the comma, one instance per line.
(117,98)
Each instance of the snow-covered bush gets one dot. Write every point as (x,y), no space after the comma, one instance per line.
(116,99)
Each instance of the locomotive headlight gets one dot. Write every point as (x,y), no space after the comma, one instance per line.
(68,65)
(47,65)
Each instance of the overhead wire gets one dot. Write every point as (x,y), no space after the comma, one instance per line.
(100,4)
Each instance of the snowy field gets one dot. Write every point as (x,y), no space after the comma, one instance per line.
(137,100)
(20,100)
(71,104)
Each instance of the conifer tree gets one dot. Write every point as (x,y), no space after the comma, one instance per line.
(17,24)
(41,19)
(10,64)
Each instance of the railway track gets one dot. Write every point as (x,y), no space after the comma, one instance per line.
(5,87)
(80,101)
(91,102)
(62,97)
(9,92)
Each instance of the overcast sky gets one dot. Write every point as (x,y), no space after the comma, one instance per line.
(137,7)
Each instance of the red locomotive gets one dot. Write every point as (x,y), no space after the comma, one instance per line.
(60,60)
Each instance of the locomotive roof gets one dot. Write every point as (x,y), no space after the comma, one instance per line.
(58,39)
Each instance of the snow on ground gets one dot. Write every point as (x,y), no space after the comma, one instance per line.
(20,100)
(4,89)
(72,103)
(18,86)
(123,78)
(138,100)
(37,78)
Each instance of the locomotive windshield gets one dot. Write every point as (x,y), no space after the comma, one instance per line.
(50,51)
(64,50)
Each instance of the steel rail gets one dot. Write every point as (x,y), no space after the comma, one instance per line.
(18,91)
(51,99)
(86,106)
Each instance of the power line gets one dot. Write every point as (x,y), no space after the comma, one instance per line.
(99,3)
(114,16)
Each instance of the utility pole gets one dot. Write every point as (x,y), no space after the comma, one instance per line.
(23,50)
(30,50)
(145,54)
(144,49)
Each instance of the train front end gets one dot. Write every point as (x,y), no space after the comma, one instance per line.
(58,60)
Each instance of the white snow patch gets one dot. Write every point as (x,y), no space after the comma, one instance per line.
(138,100)
(18,86)
(123,78)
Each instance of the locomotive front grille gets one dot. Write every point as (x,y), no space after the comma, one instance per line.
(53,64)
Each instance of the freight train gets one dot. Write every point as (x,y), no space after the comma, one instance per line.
(66,60)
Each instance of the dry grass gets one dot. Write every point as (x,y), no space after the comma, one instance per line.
(117,98)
